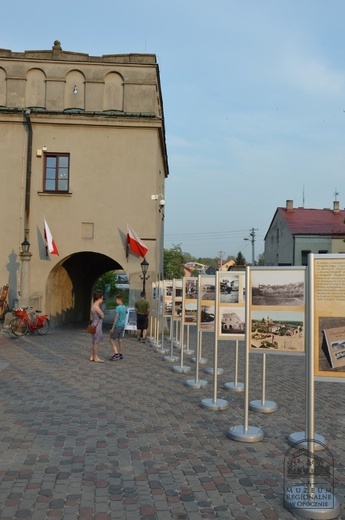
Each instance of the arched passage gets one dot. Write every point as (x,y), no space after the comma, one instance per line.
(70,284)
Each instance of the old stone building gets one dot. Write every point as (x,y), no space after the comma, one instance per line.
(82,147)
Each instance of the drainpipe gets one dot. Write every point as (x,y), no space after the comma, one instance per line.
(28,171)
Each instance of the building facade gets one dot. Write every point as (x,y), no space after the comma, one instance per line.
(296,232)
(82,146)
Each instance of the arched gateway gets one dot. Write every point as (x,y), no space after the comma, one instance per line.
(70,284)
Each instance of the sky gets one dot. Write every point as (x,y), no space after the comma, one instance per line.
(253,96)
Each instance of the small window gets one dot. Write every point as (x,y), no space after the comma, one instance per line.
(56,173)
(305,254)
(323,251)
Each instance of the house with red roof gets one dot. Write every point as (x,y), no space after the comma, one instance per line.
(296,232)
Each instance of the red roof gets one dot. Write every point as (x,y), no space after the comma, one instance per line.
(301,221)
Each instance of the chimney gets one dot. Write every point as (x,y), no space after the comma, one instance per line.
(289,205)
(336,206)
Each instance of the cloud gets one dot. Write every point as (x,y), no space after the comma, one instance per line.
(312,75)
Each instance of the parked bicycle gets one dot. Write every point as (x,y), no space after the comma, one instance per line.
(30,321)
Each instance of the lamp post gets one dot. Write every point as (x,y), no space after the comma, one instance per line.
(25,257)
(144,267)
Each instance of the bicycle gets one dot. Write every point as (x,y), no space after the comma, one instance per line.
(33,322)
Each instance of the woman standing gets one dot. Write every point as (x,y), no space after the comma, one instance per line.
(97,316)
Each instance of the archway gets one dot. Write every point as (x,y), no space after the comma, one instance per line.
(70,284)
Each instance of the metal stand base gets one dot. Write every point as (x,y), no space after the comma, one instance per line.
(171,359)
(298,437)
(188,352)
(235,387)
(202,361)
(161,351)
(266,407)
(308,508)
(196,384)
(210,370)
(181,370)
(238,433)
(219,404)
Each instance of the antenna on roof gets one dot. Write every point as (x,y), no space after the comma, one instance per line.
(336,194)
(303,197)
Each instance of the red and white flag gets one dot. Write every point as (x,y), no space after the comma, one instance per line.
(51,246)
(135,244)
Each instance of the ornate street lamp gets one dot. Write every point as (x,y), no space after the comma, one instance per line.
(25,257)
(144,267)
(25,246)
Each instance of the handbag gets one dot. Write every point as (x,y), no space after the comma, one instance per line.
(92,328)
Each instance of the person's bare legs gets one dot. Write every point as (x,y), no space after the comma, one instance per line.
(113,344)
(120,346)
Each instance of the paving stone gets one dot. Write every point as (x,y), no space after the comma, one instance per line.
(130,441)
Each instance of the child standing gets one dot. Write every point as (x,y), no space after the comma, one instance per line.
(118,328)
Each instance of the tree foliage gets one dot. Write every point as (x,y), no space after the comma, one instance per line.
(240,260)
(107,279)
(174,261)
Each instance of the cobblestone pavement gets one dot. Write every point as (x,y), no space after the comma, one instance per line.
(129,439)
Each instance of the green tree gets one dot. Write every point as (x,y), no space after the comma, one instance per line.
(107,279)
(173,263)
(240,260)
(261,259)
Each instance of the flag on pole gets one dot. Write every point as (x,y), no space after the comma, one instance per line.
(135,244)
(51,246)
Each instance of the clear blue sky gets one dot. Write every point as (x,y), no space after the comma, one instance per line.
(254,101)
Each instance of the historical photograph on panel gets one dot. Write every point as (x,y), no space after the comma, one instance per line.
(278,287)
(190,313)
(177,310)
(206,317)
(232,321)
(208,289)
(191,288)
(168,307)
(168,285)
(231,287)
(279,331)
(332,344)
(178,289)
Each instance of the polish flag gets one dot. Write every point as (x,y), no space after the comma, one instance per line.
(50,241)
(135,244)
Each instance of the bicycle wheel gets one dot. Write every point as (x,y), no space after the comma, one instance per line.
(43,326)
(18,326)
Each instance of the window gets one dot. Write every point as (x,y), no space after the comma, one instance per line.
(305,254)
(56,172)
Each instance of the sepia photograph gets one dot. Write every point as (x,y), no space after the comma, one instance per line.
(191,288)
(232,321)
(207,317)
(190,313)
(231,288)
(273,287)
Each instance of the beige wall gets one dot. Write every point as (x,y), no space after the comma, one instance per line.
(117,161)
